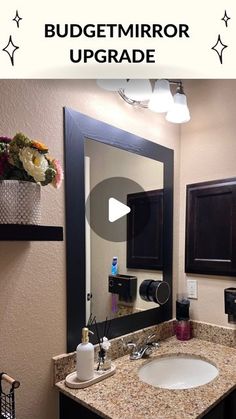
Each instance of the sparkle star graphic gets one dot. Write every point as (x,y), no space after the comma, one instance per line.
(219,48)
(11,49)
(226,18)
(17,19)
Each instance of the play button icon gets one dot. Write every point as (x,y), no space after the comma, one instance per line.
(116,210)
(107,210)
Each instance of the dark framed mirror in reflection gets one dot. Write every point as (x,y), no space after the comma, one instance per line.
(119,216)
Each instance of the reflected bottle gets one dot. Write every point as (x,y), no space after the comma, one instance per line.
(183,325)
(114,297)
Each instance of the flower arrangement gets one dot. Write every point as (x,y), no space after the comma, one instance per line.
(28,160)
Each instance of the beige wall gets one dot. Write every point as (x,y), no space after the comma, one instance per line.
(32,276)
(208,152)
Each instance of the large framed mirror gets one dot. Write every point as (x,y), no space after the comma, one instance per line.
(96,152)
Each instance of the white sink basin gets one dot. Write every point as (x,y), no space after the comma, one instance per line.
(177,372)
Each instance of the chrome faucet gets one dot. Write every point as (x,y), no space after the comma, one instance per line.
(145,350)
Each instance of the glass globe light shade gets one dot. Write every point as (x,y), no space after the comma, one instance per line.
(179,112)
(161,99)
(138,90)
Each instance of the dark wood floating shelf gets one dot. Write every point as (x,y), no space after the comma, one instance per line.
(20,232)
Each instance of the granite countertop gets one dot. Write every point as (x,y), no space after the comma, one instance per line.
(124,395)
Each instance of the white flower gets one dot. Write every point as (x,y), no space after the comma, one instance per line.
(105,344)
(34,163)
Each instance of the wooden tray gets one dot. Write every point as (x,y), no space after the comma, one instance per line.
(73,382)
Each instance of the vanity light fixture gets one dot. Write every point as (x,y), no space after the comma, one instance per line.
(179,111)
(161,99)
(138,90)
(139,93)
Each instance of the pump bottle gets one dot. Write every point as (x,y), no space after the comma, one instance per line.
(85,357)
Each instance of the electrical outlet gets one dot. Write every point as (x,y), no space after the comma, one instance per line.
(192,288)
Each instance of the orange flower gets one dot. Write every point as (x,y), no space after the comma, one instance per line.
(39,146)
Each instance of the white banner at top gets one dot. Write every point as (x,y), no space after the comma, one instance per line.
(125,39)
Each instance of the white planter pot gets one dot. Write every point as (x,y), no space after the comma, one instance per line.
(19,202)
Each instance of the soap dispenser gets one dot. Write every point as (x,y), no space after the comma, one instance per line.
(183,325)
(85,357)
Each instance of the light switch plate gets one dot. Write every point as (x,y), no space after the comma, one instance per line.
(192,288)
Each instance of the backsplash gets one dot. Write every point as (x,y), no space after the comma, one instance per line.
(216,334)
(66,363)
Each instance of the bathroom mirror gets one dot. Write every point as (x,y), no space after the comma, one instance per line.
(81,134)
(102,162)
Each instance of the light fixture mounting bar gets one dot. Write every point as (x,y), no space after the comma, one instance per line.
(131,101)
(143,104)
(161,99)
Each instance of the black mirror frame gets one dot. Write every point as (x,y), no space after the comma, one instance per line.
(78,127)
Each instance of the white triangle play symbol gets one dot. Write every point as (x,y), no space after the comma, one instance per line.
(116,210)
